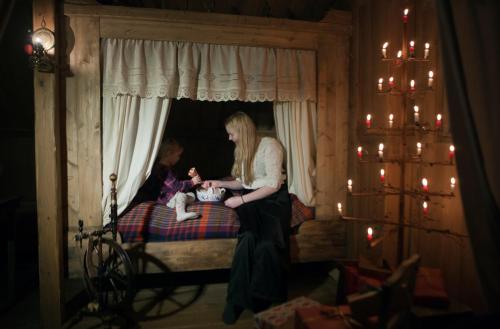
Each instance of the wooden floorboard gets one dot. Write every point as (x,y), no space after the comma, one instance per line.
(198,301)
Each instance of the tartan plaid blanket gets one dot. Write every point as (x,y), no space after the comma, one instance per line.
(153,222)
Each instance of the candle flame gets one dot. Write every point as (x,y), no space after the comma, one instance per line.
(452,148)
(368,117)
(382,172)
(349,182)
(400,53)
(385,45)
(369,231)
(415,108)
(419,145)
(424,182)
(391,117)
(412,43)
(391,79)
(381,80)
(360,149)
(339,207)
(427,45)
(453,181)
(425,205)
(381,147)
(439,116)
(431,74)
(412,83)
(406,11)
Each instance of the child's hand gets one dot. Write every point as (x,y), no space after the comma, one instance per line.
(196,180)
(192,172)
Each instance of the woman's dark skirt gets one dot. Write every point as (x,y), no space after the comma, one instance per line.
(261,258)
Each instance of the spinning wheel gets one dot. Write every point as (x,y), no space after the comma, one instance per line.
(107,273)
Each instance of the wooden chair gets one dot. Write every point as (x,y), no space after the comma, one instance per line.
(388,307)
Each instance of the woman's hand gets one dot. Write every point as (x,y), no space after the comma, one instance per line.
(196,180)
(211,183)
(234,202)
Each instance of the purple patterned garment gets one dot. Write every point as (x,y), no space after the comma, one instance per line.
(172,185)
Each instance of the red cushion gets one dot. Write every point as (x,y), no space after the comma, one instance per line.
(322,316)
(429,288)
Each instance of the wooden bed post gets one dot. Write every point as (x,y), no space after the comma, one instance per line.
(48,177)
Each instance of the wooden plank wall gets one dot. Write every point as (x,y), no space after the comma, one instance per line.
(48,178)
(374,23)
(87,24)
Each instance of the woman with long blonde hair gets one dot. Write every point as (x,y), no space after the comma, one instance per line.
(258,271)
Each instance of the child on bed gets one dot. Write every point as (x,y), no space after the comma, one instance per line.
(173,192)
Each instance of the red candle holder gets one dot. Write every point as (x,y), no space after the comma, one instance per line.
(369,233)
(411,49)
(405,15)
(425,185)
(425,208)
(439,121)
(451,153)
(368,121)
(360,152)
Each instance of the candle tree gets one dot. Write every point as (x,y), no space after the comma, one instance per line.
(403,140)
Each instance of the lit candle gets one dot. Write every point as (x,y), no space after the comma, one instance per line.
(426,50)
(349,185)
(380,84)
(382,176)
(391,120)
(451,154)
(380,151)
(412,85)
(391,82)
(431,79)
(416,115)
(419,148)
(369,233)
(439,120)
(425,185)
(453,181)
(384,49)
(339,208)
(368,120)
(425,207)
(405,15)
(399,54)
(360,152)
(412,48)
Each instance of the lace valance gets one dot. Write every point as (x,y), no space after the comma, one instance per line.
(210,72)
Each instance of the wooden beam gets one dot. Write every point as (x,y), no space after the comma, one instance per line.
(48,179)
(341,24)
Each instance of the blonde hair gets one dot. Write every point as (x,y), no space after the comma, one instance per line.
(168,148)
(246,145)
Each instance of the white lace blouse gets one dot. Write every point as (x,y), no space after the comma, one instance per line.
(267,165)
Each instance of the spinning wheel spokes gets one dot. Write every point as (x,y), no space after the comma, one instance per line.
(108,280)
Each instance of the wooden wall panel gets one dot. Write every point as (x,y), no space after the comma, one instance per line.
(83,124)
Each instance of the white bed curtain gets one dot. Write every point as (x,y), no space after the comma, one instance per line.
(141,76)
(296,127)
(132,132)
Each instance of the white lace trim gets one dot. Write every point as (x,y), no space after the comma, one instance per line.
(148,69)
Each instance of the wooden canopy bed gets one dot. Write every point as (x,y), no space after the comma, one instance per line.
(320,239)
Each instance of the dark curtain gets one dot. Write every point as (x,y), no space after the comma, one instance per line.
(6,7)
(470,40)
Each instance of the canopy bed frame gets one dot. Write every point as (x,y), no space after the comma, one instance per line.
(317,240)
